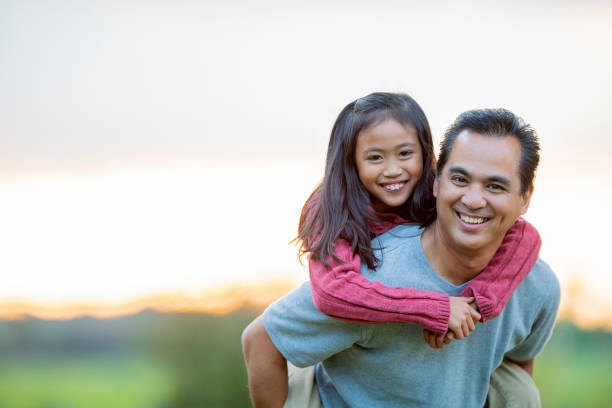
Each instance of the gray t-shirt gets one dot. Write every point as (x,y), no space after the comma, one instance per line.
(390,364)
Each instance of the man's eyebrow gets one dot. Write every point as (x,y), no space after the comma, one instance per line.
(460,170)
(499,180)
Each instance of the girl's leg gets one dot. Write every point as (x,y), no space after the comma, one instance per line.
(512,387)
(303,391)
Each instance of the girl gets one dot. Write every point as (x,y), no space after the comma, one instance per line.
(379,173)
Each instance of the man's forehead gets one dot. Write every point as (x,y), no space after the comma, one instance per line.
(486,155)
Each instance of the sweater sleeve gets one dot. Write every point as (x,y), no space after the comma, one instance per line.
(341,291)
(511,263)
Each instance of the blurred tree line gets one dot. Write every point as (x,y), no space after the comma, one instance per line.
(188,360)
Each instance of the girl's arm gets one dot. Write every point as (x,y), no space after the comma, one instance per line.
(343,292)
(511,263)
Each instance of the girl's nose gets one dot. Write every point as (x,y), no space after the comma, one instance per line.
(392,170)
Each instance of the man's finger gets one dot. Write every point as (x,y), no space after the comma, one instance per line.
(429,338)
(433,342)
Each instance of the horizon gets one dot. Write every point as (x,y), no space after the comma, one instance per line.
(166,149)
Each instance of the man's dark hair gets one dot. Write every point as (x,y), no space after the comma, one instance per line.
(498,123)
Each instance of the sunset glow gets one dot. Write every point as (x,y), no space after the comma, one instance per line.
(220,301)
(158,155)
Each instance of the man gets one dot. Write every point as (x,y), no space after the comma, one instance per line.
(485,181)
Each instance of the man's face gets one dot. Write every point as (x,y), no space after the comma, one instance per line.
(478,192)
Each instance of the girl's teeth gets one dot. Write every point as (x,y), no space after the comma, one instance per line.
(472,220)
(394,186)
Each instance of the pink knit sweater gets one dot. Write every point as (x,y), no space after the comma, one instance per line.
(343,292)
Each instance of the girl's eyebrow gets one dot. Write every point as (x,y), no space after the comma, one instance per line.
(378,149)
(406,144)
(372,149)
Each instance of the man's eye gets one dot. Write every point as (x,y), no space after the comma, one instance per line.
(458,179)
(374,157)
(496,187)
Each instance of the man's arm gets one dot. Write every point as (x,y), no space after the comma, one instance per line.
(525,352)
(266,367)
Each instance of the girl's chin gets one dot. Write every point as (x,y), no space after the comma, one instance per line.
(388,204)
(387,207)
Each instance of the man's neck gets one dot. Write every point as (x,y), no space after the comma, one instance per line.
(455,265)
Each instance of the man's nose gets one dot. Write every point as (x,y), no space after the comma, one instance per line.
(473,198)
(392,169)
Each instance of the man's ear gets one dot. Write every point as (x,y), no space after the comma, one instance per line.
(435,187)
(525,199)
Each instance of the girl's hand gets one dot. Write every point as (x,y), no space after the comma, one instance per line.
(463,316)
(462,320)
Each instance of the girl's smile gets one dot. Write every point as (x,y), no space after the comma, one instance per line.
(389,162)
(394,187)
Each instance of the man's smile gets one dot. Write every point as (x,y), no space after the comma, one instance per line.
(470,221)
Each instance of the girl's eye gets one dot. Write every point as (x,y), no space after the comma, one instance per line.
(374,157)
(405,153)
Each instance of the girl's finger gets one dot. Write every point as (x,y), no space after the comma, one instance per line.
(466,329)
(470,323)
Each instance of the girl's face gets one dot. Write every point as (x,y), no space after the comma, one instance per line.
(389,162)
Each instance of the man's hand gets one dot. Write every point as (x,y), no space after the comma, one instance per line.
(437,341)
(462,320)
(266,367)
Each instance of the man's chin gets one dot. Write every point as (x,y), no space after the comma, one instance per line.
(471,241)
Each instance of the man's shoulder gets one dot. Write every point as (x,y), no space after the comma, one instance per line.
(404,231)
(397,236)
(541,283)
(543,277)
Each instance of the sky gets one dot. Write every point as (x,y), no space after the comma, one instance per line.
(162,147)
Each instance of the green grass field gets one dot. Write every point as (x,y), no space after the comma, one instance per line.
(84,381)
(187,360)
(574,369)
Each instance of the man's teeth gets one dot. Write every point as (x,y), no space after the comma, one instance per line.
(394,186)
(472,220)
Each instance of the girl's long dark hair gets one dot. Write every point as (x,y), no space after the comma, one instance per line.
(339,205)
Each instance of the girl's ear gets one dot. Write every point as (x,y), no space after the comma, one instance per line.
(435,187)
